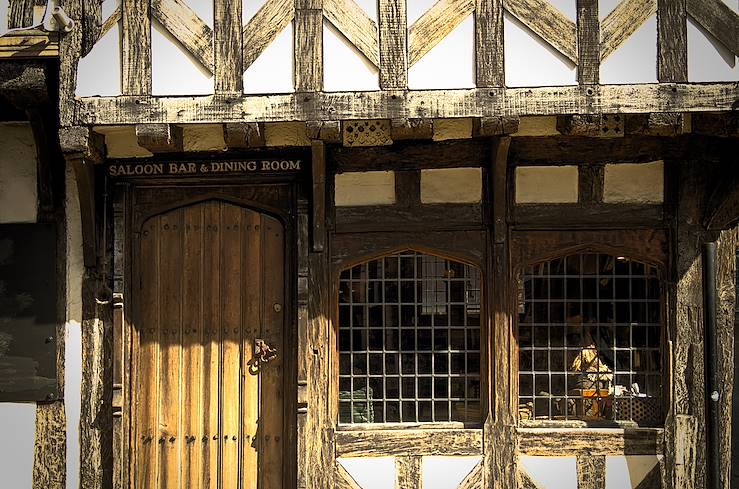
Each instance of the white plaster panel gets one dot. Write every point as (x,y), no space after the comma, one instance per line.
(634,182)
(567,7)
(99,73)
(451,185)
(73,330)
(530,61)
(452,129)
(446,472)
(551,472)
(249,8)
(344,67)
(626,472)
(203,137)
(272,71)
(708,59)
(416,8)
(204,9)
(537,125)
(365,188)
(173,70)
(121,142)
(605,7)
(450,64)
(371,472)
(546,184)
(17,437)
(18,185)
(4,16)
(635,61)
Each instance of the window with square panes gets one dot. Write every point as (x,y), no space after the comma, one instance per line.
(409,341)
(589,338)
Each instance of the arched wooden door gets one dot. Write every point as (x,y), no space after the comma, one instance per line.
(208,413)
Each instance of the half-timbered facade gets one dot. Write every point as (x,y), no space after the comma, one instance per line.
(366,244)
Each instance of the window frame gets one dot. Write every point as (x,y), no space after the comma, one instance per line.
(378,248)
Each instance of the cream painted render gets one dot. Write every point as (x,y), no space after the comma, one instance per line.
(451,185)
(637,183)
(203,137)
(546,184)
(537,126)
(365,188)
(120,142)
(286,134)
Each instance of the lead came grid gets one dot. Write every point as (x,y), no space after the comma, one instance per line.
(409,341)
(589,340)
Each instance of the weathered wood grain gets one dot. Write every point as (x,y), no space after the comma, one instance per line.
(264,27)
(354,23)
(587,216)
(403,129)
(243,134)
(720,20)
(20,13)
(672,41)
(344,480)
(495,126)
(408,442)
(473,480)
(50,446)
(657,124)
(326,131)
(410,155)
(588,42)
(489,65)
(112,20)
(525,481)
(92,21)
(135,48)
(435,25)
(184,24)
(568,442)
(308,53)
(622,22)
(591,472)
(160,138)
(393,21)
(228,52)
(388,104)
(408,472)
(70,47)
(318,170)
(548,23)
(591,182)
(410,218)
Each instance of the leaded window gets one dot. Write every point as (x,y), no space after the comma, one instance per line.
(409,341)
(589,337)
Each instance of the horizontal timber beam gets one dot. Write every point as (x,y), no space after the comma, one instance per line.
(392,104)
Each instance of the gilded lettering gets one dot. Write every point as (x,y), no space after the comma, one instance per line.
(173,168)
(251,166)
(295,165)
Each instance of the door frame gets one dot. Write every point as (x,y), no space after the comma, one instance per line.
(276,198)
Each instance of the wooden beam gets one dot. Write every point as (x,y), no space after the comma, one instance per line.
(408,472)
(243,135)
(393,22)
(70,48)
(24,83)
(318,169)
(159,138)
(50,446)
(489,57)
(308,41)
(591,472)
(719,20)
(672,41)
(184,24)
(228,71)
(411,155)
(20,13)
(657,124)
(92,21)
(548,23)
(326,131)
(495,126)
(590,184)
(344,480)
(404,129)
(525,481)
(409,442)
(135,48)
(722,125)
(111,21)
(269,21)
(614,99)
(354,23)
(622,22)
(588,42)
(435,25)
(564,442)
(473,480)
(29,44)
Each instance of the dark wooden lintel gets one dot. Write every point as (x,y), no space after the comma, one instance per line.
(401,129)
(160,138)
(326,131)
(411,155)
(587,215)
(573,150)
(495,126)
(238,135)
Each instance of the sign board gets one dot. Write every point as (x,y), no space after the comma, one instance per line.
(28,312)
(204,168)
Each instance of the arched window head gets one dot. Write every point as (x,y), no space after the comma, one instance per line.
(409,341)
(590,338)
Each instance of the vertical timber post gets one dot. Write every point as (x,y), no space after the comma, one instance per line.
(588,42)
(393,21)
(672,41)
(489,66)
(308,46)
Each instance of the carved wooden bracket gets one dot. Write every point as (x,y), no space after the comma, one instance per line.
(239,135)
(159,138)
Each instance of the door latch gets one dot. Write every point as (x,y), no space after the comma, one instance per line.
(263,353)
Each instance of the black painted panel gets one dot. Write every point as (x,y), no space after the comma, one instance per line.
(28,312)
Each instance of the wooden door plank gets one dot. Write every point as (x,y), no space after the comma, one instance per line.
(210,384)
(192,322)
(251,324)
(148,333)
(170,344)
(273,272)
(231,288)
